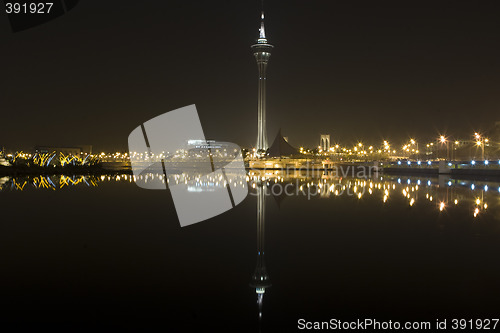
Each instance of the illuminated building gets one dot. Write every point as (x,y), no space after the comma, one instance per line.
(262,53)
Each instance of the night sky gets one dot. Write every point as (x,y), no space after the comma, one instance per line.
(358,70)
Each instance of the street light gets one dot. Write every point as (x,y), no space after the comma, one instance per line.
(415,143)
(453,152)
(443,140)
(481,142)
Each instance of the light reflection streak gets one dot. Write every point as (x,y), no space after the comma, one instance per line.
(444,194)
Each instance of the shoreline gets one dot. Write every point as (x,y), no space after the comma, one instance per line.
(67,170)
(102,170)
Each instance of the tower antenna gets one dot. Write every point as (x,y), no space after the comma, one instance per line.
(262,31)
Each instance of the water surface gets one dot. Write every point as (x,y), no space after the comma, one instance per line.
(82,252)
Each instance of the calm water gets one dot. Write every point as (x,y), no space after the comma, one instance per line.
(87,253)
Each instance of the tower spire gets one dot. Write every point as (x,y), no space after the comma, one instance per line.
(262,31)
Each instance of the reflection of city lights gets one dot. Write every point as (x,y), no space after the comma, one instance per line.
(349,187)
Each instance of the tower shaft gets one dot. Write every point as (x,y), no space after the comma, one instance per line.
(262,143)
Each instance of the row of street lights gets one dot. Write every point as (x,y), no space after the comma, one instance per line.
(479,141)
(409,148)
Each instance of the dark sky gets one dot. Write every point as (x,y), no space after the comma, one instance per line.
(353,69)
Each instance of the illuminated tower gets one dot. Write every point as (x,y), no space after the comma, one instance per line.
(262,53)
(260,278)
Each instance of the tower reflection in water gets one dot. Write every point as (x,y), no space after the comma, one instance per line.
(260,278)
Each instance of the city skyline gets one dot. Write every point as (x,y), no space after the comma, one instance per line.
(157,175)
(357,72)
